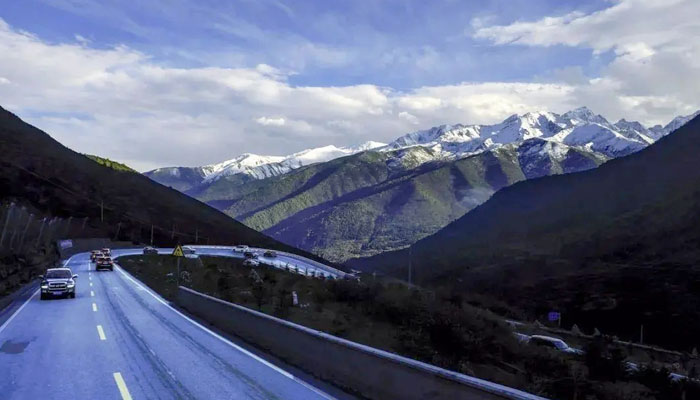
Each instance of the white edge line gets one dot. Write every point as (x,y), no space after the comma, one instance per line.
(18,310)
(223,339)
(27,302)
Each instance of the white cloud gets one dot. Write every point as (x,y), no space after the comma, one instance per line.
(120,103)
(656,48)
(626,26)
(265,121)
(410,118)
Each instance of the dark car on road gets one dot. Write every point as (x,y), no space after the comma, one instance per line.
(270,254)
(150,250)
(58,282)
(104,263)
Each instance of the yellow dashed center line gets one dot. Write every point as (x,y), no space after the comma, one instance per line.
(94,307)
(123,390)
(101,332)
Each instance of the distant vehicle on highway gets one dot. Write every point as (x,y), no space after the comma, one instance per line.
(150,250)
(104,263)
(241,248)
(58,282)
(106,251)
(94,254)
(188,250)
(270,254)
(250,262)
(554,343)
(250,254)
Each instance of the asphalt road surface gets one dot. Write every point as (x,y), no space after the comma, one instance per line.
(118,340)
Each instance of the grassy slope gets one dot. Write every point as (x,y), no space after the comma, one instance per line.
(453,331)
(111,164)
(363,205)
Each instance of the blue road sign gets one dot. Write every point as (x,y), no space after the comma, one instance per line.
(553,316)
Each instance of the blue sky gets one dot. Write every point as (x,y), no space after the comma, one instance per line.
(396,43)
(212,72)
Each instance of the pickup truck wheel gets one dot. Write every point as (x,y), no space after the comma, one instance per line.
(111,268)
(72,295)
(42,296)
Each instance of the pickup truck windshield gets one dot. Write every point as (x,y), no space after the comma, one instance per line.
(59,274)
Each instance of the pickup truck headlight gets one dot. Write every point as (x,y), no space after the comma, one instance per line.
(71,284)
(44,285)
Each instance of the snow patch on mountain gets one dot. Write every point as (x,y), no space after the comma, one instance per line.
(579,128)
(260,167)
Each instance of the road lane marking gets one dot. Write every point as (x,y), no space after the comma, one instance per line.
(27,301)
(94,307)
(123,390)
(101,332)
(92,294)
(90,284)
(18,310)
(226,341)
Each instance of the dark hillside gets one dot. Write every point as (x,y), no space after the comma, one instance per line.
(587,243)
(39,172)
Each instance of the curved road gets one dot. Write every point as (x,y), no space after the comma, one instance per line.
(119,340)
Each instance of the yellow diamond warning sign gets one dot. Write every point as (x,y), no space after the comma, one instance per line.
(178,252)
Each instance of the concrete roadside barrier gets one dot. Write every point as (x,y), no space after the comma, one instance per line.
(370,372)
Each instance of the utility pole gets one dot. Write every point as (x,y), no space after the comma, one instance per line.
(178,271)
(196,235)
(410,261)
(68,226)
(119,226)
(172,233)
(102,211)
(84,222)
(641,334)
(41,230)
(151,234)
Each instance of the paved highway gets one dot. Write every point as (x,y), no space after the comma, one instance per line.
(302,264)
(118,340)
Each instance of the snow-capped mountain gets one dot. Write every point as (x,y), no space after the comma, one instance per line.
(579,128)
(260,167)
(253,166)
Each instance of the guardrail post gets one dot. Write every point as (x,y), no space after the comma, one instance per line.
(24,232)
(7,220)
(41,230)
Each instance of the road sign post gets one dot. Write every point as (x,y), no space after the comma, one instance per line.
(179,254)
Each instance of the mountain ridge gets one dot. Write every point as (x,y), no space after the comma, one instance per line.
(390,196)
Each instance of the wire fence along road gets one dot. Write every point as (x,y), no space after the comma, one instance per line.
(23,231)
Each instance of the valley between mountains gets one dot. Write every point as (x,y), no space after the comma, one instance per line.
(343,203)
